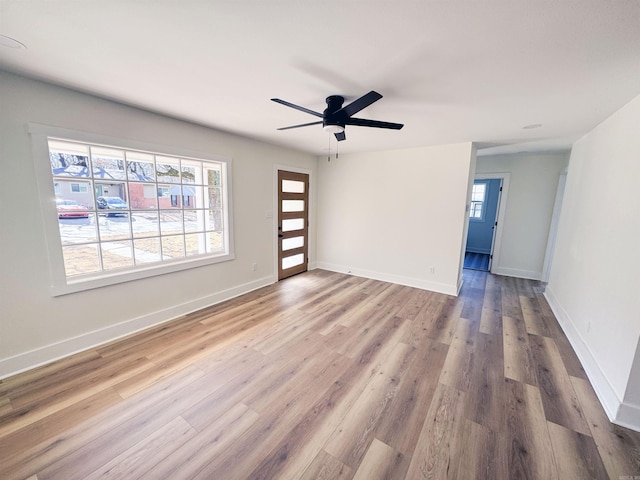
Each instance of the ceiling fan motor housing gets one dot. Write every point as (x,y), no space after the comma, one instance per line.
(330,121)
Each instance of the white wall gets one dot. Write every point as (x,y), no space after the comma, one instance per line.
(593,286)
(34,326)
(395,215)
(532,190)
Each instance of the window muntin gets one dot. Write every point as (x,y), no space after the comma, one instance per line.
(144,208)
(478,197)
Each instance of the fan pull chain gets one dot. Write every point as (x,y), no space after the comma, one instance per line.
(337,145)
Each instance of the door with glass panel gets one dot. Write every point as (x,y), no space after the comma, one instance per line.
(293,223)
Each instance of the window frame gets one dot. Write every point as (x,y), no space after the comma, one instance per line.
(481,218)
(60,283)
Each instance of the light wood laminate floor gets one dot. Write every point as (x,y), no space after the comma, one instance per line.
(324,376)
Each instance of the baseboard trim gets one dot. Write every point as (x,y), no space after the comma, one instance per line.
(629,416)
(516,272)
(391,278)
(622,414)
(55,351)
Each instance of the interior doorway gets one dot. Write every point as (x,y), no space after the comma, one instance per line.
(483,223)
(293,223)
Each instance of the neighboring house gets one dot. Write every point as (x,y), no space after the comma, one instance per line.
(142,194)
(77,190)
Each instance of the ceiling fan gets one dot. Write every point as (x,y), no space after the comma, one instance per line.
(336,117)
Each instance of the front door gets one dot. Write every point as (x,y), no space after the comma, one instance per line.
(293,223)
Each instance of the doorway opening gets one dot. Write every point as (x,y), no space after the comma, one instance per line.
(483,223)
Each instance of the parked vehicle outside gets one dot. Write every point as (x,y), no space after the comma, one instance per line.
(71,209)
(115,205)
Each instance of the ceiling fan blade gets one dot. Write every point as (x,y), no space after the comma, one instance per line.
(361,103)
(301,125)
(297,107)
(340,136)
(362,122)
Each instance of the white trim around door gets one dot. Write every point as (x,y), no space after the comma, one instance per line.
(502,208)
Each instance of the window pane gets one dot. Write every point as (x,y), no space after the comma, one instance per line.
(189,172)
(172,247)
(478,191)
(213,220)
(108,163)
(143,196)
(140,167)
(292,205)
(111,199)
(295,242)
(194,221)
(476,210)
(292,261)
(167,170)
(215,242)
(78,207)
(213,197)
(173,198)
(212,175)
(145,224)
(114,228)
(75,230)
(147,250)
(195,244)
(292,186)
(171,221)
(69,159)
(292,224)
(81,259)
(116,255)
(189,195)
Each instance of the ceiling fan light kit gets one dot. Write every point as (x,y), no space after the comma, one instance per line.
(336,117)
(333,128)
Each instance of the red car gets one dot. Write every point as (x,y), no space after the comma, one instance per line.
(71,209)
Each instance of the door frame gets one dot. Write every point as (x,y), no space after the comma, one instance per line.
(496,245)
(273,214)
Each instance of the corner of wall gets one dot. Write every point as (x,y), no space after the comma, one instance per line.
(437,287)
(626,415)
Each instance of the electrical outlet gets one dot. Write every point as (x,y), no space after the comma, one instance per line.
(254,267)
(432,270)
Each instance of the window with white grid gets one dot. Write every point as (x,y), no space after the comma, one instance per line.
(478,197)
(123,213)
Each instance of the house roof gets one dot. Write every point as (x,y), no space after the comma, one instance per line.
(451,71)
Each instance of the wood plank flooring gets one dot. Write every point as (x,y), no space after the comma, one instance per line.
(324,376)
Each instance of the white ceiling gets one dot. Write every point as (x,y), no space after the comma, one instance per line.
(451,71)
